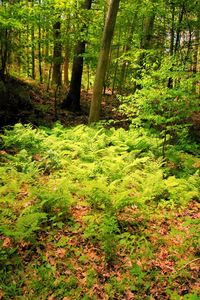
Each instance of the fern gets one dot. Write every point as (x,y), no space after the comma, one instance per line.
(110,171)
(23,137)
(108,236)
(25,226)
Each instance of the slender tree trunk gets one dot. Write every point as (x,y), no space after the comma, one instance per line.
(195,58)
(46,50)
(67,49)
(39,49)
(66,64)
(174,47)
(72,101)
(178,32)
(103,60)
(3,50)
(32,49)
(116,65)
(145,44)
(189,48)
(28,52)
(88,77)
(106,80)
(126,48)
(57,55)
(172,34)
(39,54)
(4,54)
(172,31)
(32,53)
(148,32)
(196,50)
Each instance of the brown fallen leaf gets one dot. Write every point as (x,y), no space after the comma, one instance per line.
(37,157)
(6,243)
(2,152)
(1,294)
(129,295)
(51,298)
(60,253)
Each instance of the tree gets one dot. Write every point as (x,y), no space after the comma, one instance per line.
(57,54)
(72,101)
(39,47)
(103,60)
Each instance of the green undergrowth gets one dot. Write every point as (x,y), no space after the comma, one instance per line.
(95,213)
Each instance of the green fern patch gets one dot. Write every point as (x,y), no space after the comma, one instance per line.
(89,210)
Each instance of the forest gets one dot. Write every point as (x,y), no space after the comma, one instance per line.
(99,149)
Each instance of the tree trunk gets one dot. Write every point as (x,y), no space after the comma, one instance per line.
(57,55)
(116,64)
(27,51)
(174,48)
(3,53)
(170,79)
(103,60)
(72,101)
(67,50)
(196,51)
(148,32)
(32,53)
(145,44)
(66,65)
(39,49)
(178,32)
(195,57)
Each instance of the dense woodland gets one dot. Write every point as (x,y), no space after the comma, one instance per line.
(99,149)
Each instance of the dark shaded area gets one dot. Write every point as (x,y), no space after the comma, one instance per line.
(21,102)
(15,101)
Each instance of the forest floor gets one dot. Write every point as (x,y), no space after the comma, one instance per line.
(28,102)
(93,212)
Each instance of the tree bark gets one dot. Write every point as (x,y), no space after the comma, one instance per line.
(103,60)
(196,51)
(72,101)
(178,32)
(174,48)
(57,55)
(4,54)
(148,32)
(32,53)
(39,49)
(172,30)
(145,44)
(32,48)
(66,65)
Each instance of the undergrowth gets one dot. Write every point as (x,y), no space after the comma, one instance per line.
(75,201)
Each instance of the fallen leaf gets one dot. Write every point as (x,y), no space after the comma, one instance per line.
(6,243)
(3,152)
(129,295)
(60,253)
(1,294)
